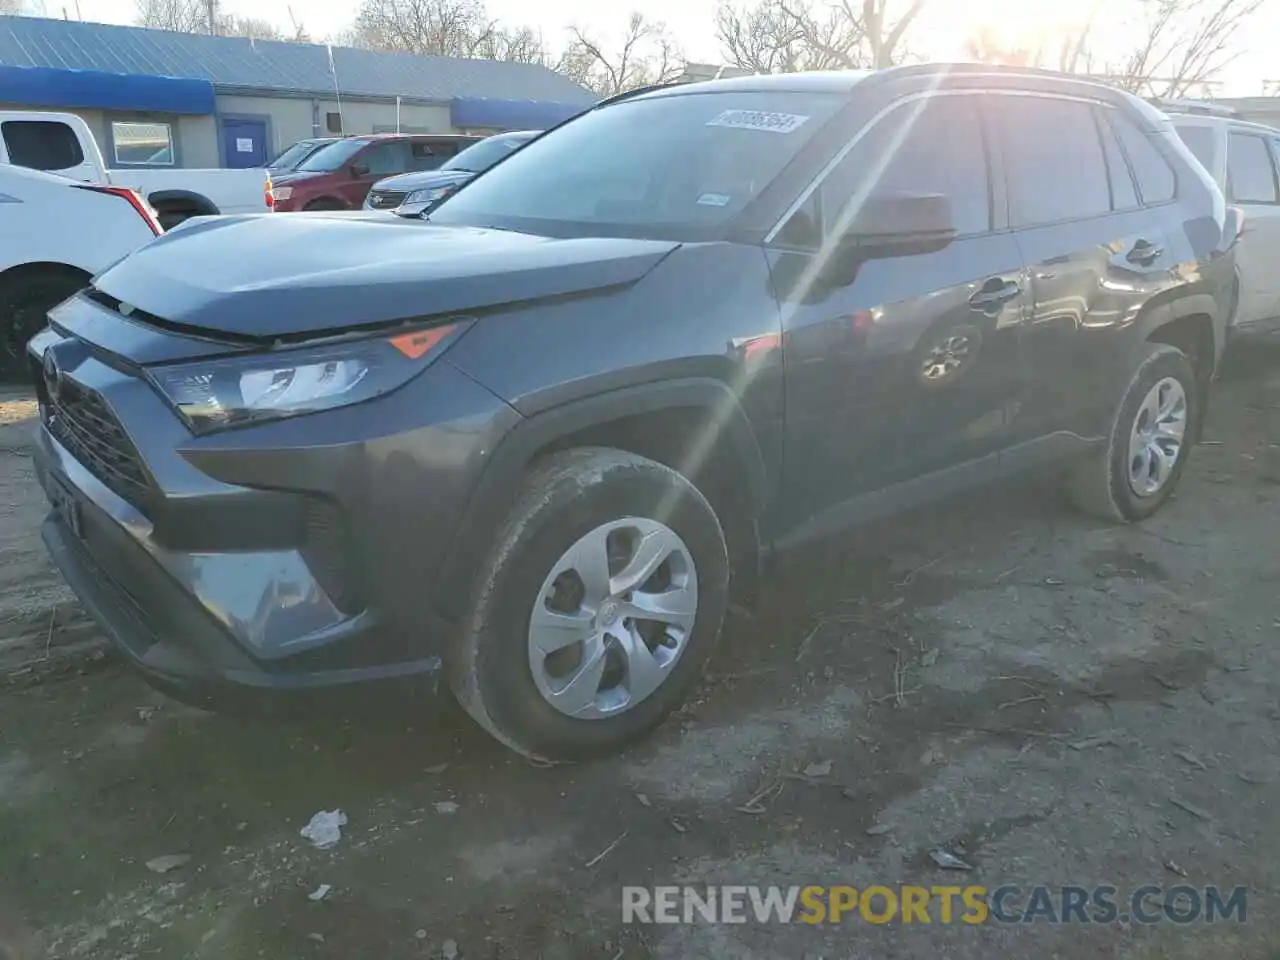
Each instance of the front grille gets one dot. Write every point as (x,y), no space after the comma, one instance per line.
(83,423)
(383,200)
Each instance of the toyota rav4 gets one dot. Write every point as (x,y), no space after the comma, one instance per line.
(539,443)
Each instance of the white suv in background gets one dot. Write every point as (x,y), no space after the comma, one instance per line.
(1244,159)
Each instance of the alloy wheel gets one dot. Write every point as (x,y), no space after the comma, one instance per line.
(613,617)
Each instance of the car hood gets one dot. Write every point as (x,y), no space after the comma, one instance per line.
(269,276)
(425,180)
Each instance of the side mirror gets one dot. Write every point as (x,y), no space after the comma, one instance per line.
(899,225)
(359,171)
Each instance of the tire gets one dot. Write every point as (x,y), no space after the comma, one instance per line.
(25,301)
(323,204)
(1104,483)
(570,497)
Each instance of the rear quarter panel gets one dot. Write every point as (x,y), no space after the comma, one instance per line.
(52,221)
(231,191)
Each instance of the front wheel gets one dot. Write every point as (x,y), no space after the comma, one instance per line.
(596,609)
(1150,440)
(25,301)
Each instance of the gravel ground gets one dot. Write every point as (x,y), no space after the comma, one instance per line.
(1056,701)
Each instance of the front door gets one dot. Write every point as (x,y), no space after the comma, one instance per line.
(380,159)
(904,367)
(244,143)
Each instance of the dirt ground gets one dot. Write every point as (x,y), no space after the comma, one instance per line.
(1059,701)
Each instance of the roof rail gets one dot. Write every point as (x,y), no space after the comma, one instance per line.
(1204,108)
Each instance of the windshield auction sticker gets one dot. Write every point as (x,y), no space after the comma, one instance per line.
(759,120)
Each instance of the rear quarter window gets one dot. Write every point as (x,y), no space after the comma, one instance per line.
(1157,182)
(41,144)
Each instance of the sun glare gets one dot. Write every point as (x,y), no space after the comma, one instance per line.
(1009,30)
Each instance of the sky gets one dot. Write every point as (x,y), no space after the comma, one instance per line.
(944,25)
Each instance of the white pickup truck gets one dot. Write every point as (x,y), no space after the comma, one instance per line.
(62,144)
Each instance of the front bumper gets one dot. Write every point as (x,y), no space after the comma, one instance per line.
(289,556)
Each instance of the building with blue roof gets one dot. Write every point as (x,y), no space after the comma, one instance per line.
(203,101)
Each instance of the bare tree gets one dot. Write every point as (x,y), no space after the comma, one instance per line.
(645,55)
(254,28)
(1183,44)
(446,28)
(182,16)
(778,36)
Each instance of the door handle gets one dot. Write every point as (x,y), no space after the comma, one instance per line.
(995,293)
(1144,253)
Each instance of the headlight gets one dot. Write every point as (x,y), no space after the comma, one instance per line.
(230,391)
(433,195)
(282,193)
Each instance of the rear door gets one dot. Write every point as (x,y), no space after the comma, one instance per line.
(903,367)
(1252,185)
(244,143)
(1094,238)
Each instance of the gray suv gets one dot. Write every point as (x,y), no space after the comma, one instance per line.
(538,443)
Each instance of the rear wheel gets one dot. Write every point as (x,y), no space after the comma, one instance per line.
(26,297)
(1150,441)
(597,607)
(324,203)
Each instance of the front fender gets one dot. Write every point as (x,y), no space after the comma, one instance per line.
(527,439)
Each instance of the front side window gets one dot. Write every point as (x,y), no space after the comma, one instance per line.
(1250,175)
(41,144)
(1053,160)
(385,159)
(674,166)
(1156,180)
(142,142)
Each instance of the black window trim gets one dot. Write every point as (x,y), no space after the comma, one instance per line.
(1154,140)
(815,185)
(1008,227)
(1271,156)
(1102,123)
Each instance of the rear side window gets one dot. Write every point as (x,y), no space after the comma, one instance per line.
(1124,196)
(1157,183)
(1053,160)
(41,144)
(1251,176)
(1201,141)
(933,147)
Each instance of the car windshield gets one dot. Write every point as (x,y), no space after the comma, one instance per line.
(668,167)
(481,156)
(294,154)
(332,157)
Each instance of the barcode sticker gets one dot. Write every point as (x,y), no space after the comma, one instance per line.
(759,120)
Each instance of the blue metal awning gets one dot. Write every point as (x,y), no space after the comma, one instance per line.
(96,90)
(511,114)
